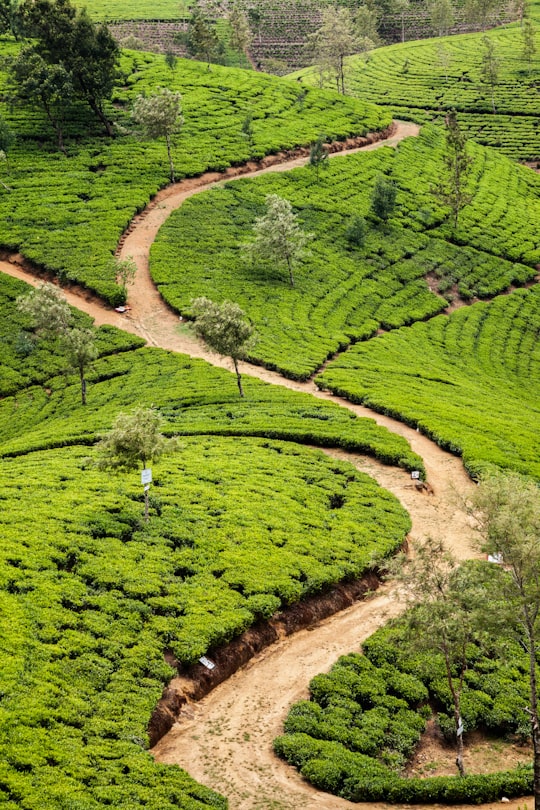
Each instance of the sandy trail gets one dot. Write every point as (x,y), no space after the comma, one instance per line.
(225,740)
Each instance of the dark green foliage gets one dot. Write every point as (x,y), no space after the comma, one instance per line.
(366,715)
(383,197)
(356,230)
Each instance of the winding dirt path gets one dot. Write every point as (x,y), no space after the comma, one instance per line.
(225,740)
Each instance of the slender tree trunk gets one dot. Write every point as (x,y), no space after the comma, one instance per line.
(146,504)
(289,265)
(533,711)
(168,139)
(238,377)
(83,386)
(457,718)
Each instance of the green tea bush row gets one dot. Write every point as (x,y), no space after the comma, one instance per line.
(345,293)
(67,213)
(470,381)
(365,717)
(423,79)
(91,596)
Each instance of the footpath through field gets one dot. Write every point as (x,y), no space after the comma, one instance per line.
(225,740)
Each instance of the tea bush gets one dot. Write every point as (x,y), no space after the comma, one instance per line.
(365,717)
(421,80)
(470,381)
(67,213)
(244,521)
(345,293)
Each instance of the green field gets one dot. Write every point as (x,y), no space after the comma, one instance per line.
(243,520)
(470,381)
(421,80)
(88,198)
(344,294)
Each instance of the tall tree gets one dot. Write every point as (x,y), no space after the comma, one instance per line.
(333,41)
(45,86)
(202,40)
(528,36)
(52,317)
(366,24)
(81,351)
(443,600)
(507,508)
(489,68)
(401,7)
(278,235)
(225,329)
(318,155)
(134,441)
(441,14)
(9,17)
(479,11)
(67,37)
(240,38)
(452,190)
(160,116)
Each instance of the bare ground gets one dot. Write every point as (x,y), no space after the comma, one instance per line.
(225,740)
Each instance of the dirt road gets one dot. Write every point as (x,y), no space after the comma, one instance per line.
(225,740)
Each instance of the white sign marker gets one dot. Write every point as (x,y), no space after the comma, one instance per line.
(415,475)
(206,662)
(146,476)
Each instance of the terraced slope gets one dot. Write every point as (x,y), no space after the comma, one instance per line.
(241,523)
(345,293)
(420,80)
(87,198)
(470,381)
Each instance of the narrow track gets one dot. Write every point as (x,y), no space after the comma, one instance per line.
(225,740)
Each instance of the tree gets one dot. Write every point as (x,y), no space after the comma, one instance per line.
(202,40)
(240,38)
(528,35)
(441,14)
(67,37)
(48,87)
(356,230)
(52,318)
(507,508)
(81,351)
(48,310)
(401,7)
(125,271)
(225,329)
(160,116)
(478,11)
(383,197)
(443,601)
(366,21)
(9,23)
(333,41)
(444,58)
(489,69)
(452,190)
(134,440)
(278,236)
(318,155)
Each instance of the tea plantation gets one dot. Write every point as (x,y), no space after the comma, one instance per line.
(244,520)
(365,717)
(421,80)
(88,198)
(345,293)
(471,381)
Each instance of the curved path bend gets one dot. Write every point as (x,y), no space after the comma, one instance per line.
(225,740)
